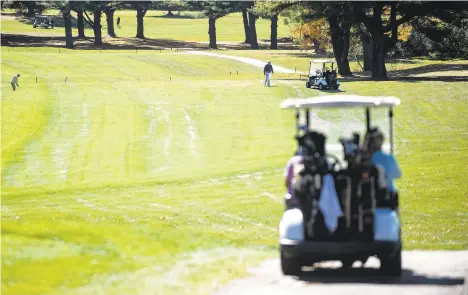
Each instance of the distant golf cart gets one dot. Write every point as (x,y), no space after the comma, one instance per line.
(368,222)
(324,77)
(42,21)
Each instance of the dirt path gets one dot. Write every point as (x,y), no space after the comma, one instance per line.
(425,272)
(251,61)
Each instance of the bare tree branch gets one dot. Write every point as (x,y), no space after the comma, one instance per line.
(88,19)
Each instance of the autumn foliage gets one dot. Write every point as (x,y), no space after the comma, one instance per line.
(313,34)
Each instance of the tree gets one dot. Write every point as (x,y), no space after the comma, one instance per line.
(109,11)
(252,30)
(79,8)
(96,8)
(141,9)
(170,6)
(313,34)
(383,28)
(245,20)
(340,19)
(67,19)
(213,10)
(271,10)
(243,8)
(29,8)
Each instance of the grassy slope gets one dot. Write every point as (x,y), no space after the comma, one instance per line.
(118,173)
(229,28)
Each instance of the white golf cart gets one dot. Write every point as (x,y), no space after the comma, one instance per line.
(42,21)
(368,224)
(324,77)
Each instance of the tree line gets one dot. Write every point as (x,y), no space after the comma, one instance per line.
(375,24)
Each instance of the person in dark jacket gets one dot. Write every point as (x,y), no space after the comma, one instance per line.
(267,71)
(118,22)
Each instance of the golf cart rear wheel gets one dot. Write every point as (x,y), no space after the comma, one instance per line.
(321,86)
(290,266)
(307,84)
(390,265)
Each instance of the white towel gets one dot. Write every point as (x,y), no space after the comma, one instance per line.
(329,203)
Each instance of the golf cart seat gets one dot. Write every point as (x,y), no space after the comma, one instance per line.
(359,193)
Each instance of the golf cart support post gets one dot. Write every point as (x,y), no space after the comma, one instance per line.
(297,248)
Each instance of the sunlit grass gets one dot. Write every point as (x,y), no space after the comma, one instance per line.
(162,172)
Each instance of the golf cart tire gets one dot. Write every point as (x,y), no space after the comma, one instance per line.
(290,266)
(307,85)
(390,265)
(320,86)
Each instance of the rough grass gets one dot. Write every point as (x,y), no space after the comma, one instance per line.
(121,181)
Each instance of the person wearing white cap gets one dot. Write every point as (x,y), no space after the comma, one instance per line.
(14,81)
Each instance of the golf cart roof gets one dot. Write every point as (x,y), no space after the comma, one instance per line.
(322,61)
(337,101)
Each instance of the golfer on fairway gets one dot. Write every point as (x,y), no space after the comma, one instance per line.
(267,71)
(14,81)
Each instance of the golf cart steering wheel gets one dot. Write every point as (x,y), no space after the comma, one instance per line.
(336,162)
(318,72)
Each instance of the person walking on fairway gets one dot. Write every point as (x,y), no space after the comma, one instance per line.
(14,81)
(267,71)
(118,22)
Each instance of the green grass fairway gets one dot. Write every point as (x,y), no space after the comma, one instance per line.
(161,173)
(229,28)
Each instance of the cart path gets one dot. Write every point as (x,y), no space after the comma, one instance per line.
(424,272)
(248,60)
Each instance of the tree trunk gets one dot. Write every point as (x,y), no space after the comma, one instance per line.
(140,28)
(253,31)
(169,13)
(80,24)
(367,54)
(30,12)
(68,29)
(274,32)
(379,72)
(340,43)
(246,26)
(97,27)
(110,22)
(212,32)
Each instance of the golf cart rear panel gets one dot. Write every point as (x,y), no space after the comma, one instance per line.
(370,223)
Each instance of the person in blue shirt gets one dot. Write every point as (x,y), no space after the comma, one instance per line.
(387,161)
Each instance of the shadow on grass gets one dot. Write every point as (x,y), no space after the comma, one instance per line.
(428,69)
(373,276)
(177,16)
(58,20)
(280,40)
(124,43)
(407,75)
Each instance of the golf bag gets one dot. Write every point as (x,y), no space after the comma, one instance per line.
(309,183)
